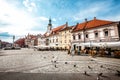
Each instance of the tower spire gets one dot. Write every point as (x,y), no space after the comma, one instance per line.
(50,22)
(49,27)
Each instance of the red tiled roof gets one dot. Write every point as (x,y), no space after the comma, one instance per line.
(20,40)
(30,36)
(55,30)
(67,28)
(91,24)
(44,34)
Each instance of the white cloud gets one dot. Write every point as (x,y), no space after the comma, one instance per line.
(92,10)
(87,13)
(42,18)
(29,5)
(19,21)
(54,19)
(60,18)
(112,18)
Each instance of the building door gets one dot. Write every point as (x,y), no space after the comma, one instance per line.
(74,46)
(79,48)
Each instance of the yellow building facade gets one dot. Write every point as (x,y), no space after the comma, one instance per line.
(65,37)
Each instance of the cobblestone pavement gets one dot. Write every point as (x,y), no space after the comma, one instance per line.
(30,62)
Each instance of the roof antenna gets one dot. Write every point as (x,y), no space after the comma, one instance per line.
(94,18)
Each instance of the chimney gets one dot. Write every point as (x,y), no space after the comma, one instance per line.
(85,19)
(77,23)
(66,24)
(94,18)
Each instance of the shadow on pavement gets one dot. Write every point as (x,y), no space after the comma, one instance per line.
(54,76)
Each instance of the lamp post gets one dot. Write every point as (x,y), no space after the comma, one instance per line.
(13,39)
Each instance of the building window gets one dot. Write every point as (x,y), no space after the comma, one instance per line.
(79,36)
(56,40)
(106,33)
(96,35)
(86,35)
(73,37)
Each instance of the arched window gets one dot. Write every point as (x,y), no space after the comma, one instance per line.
(73,37)
(86,35)
(96,34)
(79,36)
(106,33)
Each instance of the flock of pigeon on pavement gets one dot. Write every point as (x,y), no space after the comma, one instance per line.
(99,75)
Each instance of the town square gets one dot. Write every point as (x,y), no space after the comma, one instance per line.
(29,62)
(59,40)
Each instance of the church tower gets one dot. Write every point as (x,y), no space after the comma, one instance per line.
(49,27)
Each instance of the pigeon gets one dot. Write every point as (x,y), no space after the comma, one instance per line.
(89,67)
(118,72)
(108,68)
(74,65)
(55,66)
(98,78)
(85,72)
(65,62)
(100,74)
(92,60)
(101,66)
(54,59)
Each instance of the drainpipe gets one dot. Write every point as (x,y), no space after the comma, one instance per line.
(84,29)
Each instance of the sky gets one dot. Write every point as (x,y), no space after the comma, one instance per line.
(20,17)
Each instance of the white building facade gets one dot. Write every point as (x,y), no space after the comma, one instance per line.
(95,31)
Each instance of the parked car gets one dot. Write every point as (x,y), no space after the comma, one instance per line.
(12,48)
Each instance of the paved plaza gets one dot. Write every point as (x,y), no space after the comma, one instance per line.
(27,64)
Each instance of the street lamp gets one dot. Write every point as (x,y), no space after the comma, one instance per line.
(13,39)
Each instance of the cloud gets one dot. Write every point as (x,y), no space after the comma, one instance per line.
(29,5)
(54,19)
(42,27)
(112,18)
(15,20)
(4,34)
(20,17)
(93,10)
(42,18)
(87,13)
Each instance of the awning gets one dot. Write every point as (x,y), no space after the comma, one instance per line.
(100,44)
